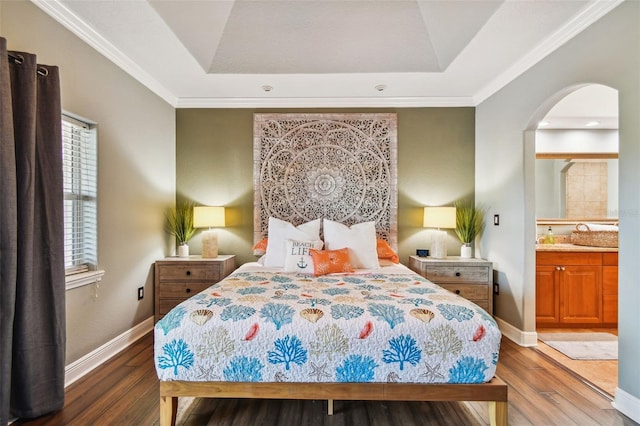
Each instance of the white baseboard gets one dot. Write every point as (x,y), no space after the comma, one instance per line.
(87,363)
(627,404)
(522,338)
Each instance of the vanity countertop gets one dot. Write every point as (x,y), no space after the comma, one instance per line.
(573,247)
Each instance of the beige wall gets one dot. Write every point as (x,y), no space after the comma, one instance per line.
(136,150)
(214,166)
(608,52)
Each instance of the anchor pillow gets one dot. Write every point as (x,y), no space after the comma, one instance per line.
(280,231)
(298,258)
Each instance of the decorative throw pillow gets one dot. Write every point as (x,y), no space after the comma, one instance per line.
(298,258)
(280,231)
(386,262)
(385,251)
(330,261)
(260,248)
(360,239)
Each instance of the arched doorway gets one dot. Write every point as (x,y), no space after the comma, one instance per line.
(577,129)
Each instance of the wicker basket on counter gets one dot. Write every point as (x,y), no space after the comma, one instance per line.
(594,235)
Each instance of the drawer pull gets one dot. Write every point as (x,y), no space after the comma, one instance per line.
(188,272)
(457,274)
(188,290)
(457,291)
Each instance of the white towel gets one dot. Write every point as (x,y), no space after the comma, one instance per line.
(596,227)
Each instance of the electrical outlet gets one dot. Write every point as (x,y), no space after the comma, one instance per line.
(496,288)
(140,293)
(496,219)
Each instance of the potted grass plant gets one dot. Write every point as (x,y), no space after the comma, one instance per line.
(469,224)
(179,223)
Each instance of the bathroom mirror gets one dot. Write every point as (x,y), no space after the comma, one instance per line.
(583,188)
(576,170)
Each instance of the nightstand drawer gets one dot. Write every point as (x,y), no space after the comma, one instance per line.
(468,291)
(189,272)
(168,304)
(457,274)
(178,279)
(182,290)
(470,278)
(484,304)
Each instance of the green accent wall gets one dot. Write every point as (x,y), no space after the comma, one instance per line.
(214,166)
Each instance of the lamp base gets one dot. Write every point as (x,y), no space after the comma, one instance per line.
(209,244)
(439,245)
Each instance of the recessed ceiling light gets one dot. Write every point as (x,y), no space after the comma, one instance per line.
(380,87)
(267,88)
(592,123)
(543,123)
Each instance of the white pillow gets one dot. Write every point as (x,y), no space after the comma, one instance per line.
(298,258)
(280,231)
(360,239)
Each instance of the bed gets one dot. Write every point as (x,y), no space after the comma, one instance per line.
(327,313)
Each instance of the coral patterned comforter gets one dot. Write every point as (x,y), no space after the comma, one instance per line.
(388,325)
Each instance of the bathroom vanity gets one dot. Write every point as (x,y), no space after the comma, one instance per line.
(576,286)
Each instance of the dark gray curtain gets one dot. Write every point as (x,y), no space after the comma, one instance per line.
(32,292)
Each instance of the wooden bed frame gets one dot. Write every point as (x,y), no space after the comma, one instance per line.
(495,392)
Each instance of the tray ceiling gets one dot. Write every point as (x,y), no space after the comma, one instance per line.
(297,53)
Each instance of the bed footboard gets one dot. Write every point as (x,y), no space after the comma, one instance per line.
(494,392)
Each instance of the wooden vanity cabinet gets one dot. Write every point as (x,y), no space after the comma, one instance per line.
(610,288)
(547,295)
(576,289)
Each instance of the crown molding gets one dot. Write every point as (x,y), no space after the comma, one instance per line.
(77,26)
(594,11)
(377,102)
(54,8)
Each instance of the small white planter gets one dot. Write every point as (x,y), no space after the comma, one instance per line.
(466,251)
(183,250)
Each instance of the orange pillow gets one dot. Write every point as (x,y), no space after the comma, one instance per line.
(330,261)
(260,248)
(385,251)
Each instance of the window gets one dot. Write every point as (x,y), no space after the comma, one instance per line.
(80,170)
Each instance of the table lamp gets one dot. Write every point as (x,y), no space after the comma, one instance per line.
(209,217)
(439,217)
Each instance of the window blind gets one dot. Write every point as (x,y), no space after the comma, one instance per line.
(80,169)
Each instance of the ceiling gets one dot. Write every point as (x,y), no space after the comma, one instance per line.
(320,53)
(591,107)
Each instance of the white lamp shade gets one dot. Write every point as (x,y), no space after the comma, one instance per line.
(208,217)
(439,217)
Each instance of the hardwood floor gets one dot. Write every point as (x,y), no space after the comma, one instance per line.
(124,391)
(601,374)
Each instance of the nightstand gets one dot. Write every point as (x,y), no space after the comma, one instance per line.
(178,278)
(470,278)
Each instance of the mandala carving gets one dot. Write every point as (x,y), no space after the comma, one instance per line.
(341,167)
